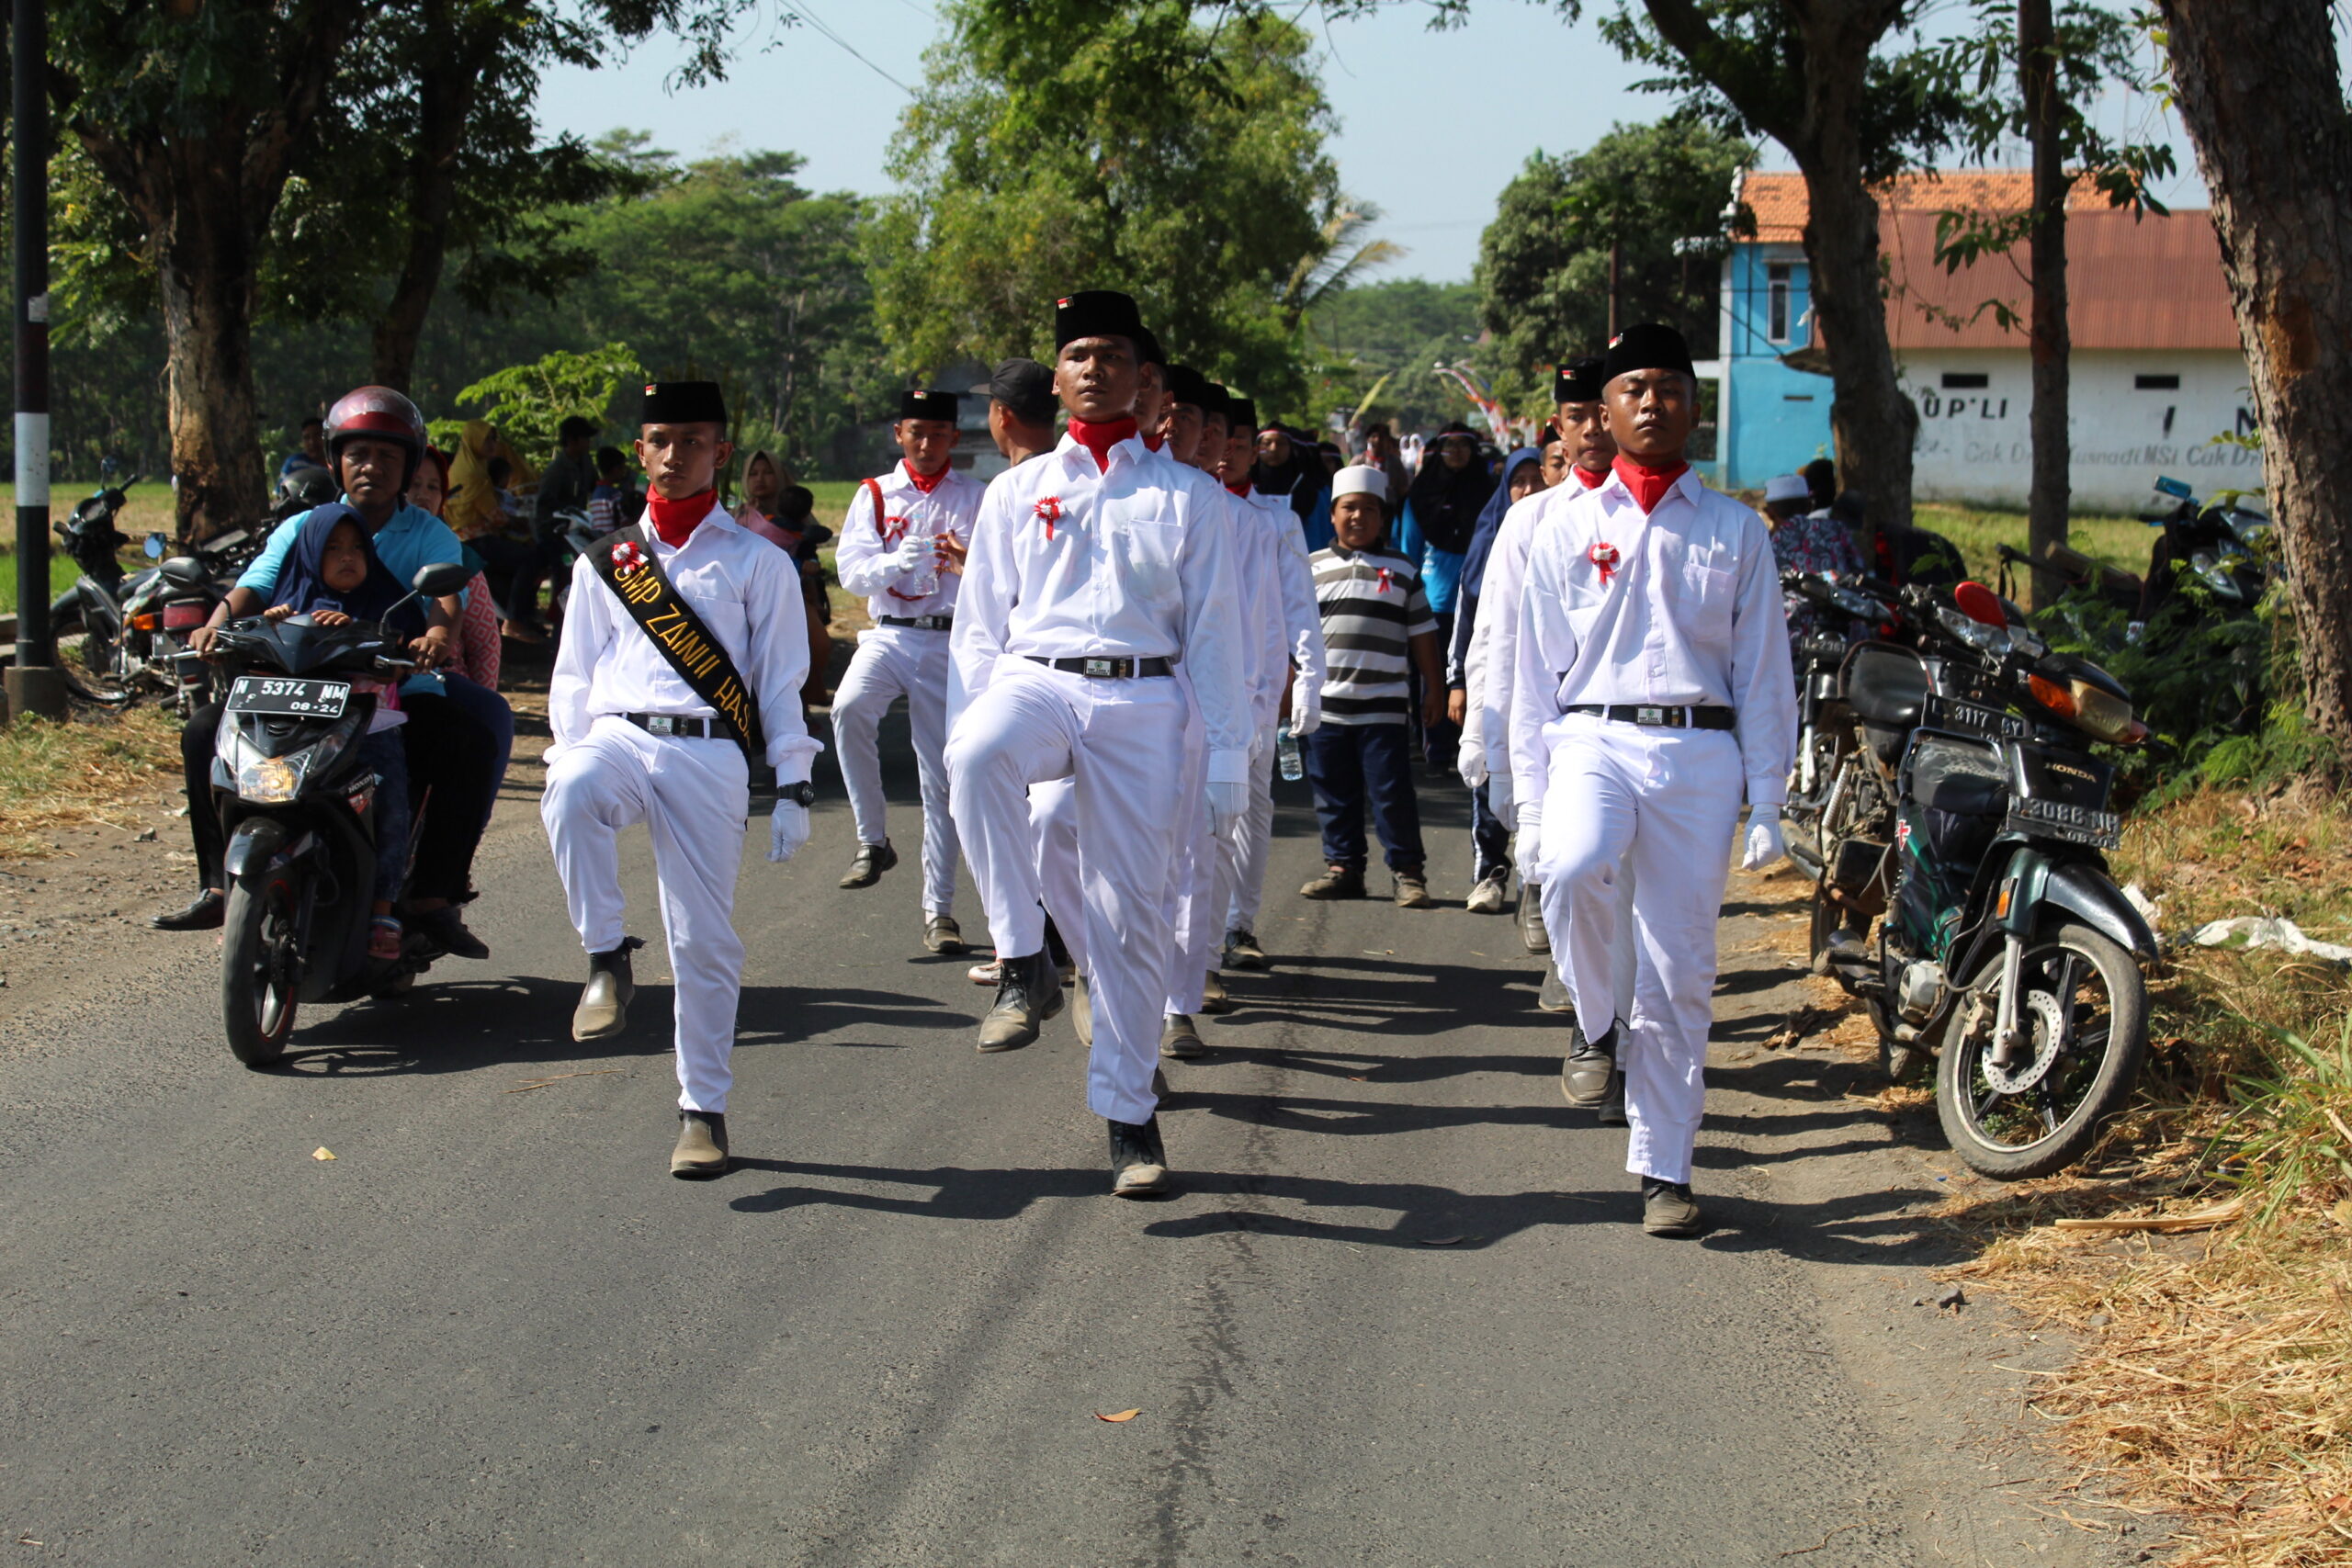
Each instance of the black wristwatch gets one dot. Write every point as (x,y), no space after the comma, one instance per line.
(803,794)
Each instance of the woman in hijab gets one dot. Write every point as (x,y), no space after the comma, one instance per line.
(478,650)
(1441,513)
(1490,838)
(784,513)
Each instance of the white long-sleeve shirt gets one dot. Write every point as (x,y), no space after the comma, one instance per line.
(1072,561)
(1292,583)
(1697,622)
(1494,639)
(864,558)
(747,592)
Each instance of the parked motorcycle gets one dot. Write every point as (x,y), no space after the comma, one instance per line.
(1826,724)
(133,626)
(2003,946)
(296,807)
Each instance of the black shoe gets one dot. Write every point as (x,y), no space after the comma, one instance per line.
(446,930)
(1138,1162)
(1552,996)
(866,867)
(1029,993)
(602,1012)
(1590,1074)
(1668,1208)
(1530,919)
(1612,1110)
(206,914)
(1242,952)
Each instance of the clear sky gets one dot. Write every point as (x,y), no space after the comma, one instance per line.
(1431,125)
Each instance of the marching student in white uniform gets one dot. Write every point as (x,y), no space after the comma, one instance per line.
(1651,685)
(1269,519)
(1094,574)
(684,652)
(1494,642)
(902,550)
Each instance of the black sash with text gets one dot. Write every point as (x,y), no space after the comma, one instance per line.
(625,561)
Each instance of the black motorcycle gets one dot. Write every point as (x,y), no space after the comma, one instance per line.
(2004,946)
(1824,722)
(297,806)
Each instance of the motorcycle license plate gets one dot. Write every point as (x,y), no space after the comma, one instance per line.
(2075,824)
(1950,712)
(284,695)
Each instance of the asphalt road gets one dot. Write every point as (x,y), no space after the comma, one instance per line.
(493,1329)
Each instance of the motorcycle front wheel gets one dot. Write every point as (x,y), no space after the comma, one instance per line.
(258,970)
(2084,1008)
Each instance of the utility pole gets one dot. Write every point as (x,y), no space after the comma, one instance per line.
(2051,496)
(33,683)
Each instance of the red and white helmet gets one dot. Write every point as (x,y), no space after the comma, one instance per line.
(379,414)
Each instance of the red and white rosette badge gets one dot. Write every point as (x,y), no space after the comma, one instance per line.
(1604,556)
(1049,511)
(628,559)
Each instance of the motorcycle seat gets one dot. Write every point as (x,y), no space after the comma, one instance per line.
(1886,684)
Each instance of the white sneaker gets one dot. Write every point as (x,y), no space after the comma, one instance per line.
(1486,898)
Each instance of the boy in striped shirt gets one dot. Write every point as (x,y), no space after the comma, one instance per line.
(1375,617)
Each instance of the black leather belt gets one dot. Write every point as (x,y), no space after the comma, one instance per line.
(1120,669)
(922,622)
(682,727)
(1661,718)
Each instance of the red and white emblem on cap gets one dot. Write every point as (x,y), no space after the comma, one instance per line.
(627,558)
(1603,556)
(1049,511)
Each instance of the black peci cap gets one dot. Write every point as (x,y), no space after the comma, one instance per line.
(1148,349)
(1577,381)
(684,402)
(916,404)
(1100,312)
(1215,401)
(1024,386)
(1241,412)
(1649,346)
(1186,385)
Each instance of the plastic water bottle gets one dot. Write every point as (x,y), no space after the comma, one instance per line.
(923,581)
(1294,765)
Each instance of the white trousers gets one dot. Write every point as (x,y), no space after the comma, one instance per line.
(1245,848)
(893,662)
(692,796)
(1053,814)
(1195,881)
(1659,806)
(1121,744)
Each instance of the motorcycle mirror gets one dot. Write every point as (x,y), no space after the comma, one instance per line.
(183,571)
(1980,604)
(442,579)
(155,546)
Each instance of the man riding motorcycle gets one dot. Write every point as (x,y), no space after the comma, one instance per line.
(375,439)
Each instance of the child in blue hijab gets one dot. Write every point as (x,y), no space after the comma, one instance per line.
(331,578)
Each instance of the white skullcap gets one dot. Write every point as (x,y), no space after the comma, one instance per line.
(1361,480)
(1786,487)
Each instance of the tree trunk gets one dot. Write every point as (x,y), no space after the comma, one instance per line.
(2258,91)
(445,92)
(2050,497)
(1815,105)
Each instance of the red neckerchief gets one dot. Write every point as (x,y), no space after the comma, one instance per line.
(1099,439)
(1649,485)
(922,482)
(675,519)
(1154,442)
(1587,479)
(1241,490)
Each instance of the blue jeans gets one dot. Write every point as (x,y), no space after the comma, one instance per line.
(385,752)
(1351,766)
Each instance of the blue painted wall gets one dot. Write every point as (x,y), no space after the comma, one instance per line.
(1778,418)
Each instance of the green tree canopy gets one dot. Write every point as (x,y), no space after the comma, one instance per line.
(1542,273)
(1382,341)
(1065,144)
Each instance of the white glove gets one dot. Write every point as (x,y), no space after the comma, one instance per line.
(913,550)
(1306,709)
(787,830)
(1227,801)
(1764,845)
(1472,764)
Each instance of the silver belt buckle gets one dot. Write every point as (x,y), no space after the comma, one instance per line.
(1649,716)
(1102,669)
(661,723)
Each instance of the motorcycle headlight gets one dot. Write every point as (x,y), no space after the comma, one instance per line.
(2100,713)
(273,781)
(1976,633)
